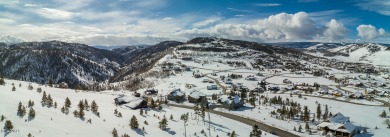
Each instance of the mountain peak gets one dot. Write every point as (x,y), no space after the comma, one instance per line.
(10,40)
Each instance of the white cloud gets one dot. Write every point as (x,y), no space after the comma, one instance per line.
(379,6)
(54,14)
(370,32)
(6,21)
(208,21)
(307,1)
(335,30)
(267,4)
(167,18)
(279,27)
(73,4)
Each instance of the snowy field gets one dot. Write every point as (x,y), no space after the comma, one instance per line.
(51,122)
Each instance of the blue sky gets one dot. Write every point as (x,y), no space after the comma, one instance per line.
(127,22)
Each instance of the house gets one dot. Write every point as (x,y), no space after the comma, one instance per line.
(63,85)
(251,78)
(205,80)
(131,102)
(176,95)
(357,95)
(228,81)
(273,87)
(151,91)
(212,87)
(339,125)
(286,81)
(196,97)
(231,102)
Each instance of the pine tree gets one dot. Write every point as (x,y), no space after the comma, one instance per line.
(67,103)
(2,82)
(21,110)
(50,83)
(86,105)
(125,135)
(30,103)
(81,105)
(133,122)
(39,90)
(325,115)
(115,112)
(81,113)
(29,135)
(256,132)
(2,118)
(44,98)
(141,111)
(383,114)
(55,104)
(305,114)
(171,117)
(163,123)
(76,113)
(318,112)
(94,107)
(233,134)
(31,113)
(13,88)
(119,114)
(8,126)
(114,133)
(49,101)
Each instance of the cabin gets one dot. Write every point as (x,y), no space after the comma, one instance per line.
(212,87)
(228,81)
(63,85)
(273,88)
(286,81)
(251,78)
(131,102)
(339,125)
(176,95)
(196,97)
(231,102)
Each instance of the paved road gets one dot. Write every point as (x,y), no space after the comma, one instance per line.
(385,103)
(247,121)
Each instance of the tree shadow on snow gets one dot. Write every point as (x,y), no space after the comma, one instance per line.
(218,125)
(170,131)
(244,108)
(139,132)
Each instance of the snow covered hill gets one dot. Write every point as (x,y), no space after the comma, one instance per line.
(375,54)
(73,63)
(50,121)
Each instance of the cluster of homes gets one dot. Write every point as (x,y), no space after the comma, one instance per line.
(136,101)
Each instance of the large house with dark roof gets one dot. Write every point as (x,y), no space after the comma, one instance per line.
(339,125)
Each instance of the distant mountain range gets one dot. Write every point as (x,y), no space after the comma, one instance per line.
(80,64)
(10,40)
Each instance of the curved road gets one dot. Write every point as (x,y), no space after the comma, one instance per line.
(250,122)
